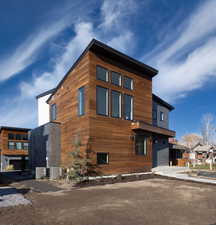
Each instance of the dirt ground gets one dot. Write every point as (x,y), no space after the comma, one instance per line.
(153,201)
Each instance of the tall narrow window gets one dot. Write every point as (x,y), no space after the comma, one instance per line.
(128,83)
(81,101)
(141,145)
(128,107)
(161,116)
(102,74)
(102,101)
(53,112)
(154,113)
(116,104)
(102,158)
(116,78)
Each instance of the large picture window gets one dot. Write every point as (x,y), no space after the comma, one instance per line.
(102,101)
(116,78)
(53,112)
(116,104)
(128,83)
(102,74)
(128,107)
(81,101)
(141,145)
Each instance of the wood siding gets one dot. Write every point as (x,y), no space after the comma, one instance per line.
(65,99)
(101,133)
(114,135)
(4,143)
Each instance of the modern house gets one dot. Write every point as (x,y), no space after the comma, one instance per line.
(106,100)
(14,146)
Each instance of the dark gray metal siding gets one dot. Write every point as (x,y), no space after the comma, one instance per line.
(160,152)
(45,146)
(159,108)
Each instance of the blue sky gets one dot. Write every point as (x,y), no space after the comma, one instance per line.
(40,40)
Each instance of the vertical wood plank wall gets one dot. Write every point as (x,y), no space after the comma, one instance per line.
(100,133)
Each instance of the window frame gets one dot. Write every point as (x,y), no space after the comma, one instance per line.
(120,104)
(161,116)
(13,136)
(14,145)
(120,78)
(132,107)
(145,145)
(81,104)
(23,144)
(107,158)
(51,112)
(132,83)
(107,101)
(107,73)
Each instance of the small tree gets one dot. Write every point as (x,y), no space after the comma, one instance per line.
(190,140)
(79,169)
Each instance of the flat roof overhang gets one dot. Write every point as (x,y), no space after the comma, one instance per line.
(140,125)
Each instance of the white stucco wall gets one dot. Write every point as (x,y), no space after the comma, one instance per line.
(43,110)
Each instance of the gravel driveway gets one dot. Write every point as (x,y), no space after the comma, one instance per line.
(155,201)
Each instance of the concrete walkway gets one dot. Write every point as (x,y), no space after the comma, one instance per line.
(180,173)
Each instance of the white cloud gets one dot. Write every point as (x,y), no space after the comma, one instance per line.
(23,112)
(26,53)
(179,75)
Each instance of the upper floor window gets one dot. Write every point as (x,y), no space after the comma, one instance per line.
(141,145)
(11,136)
(102,101)
(154,114)
(81,101)
(24,136)
(102,74)
(161,116)
(18,137)
(128,107)
(116,78)
(116,104)
(128,83)
(53,112)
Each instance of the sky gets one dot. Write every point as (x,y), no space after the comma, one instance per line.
(40,40)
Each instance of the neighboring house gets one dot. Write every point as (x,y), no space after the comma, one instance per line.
(178,153)
(106,100)
(14,146)
(201,152)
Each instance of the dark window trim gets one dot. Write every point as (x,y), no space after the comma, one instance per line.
(120,104)
(108,74)
(132,105)
(108,102)
(132,83)
(83,113)
(118,85)
(146,138)
(107,158)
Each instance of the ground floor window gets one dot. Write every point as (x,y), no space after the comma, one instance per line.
(102,158)
(141,145)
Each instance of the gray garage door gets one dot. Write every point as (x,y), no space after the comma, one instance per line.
(160,154)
